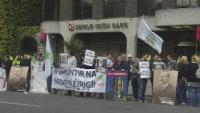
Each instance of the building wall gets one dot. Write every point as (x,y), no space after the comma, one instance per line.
(97,9)
(162,18)
(131,8)
(66,9)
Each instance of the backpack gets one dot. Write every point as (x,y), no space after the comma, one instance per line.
(198,72)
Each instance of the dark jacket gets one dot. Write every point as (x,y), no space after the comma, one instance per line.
(8,65)
(27,62)
(191,73)
(182,70)
(122,65)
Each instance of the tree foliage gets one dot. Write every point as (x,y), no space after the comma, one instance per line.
(75,45)
(18,18)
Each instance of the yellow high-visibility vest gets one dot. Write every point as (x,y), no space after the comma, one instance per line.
(16,61)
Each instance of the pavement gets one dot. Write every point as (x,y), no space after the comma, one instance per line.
(18,102)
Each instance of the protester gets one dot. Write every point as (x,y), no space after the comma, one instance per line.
(158,64)
(134,74)
(81,94)
(171,64)
(17,60)
(126,63)
(193,83)
(182,72)
(109,62)
(119,64)
(142,82)
(26,61)
(70,62)
(129,63)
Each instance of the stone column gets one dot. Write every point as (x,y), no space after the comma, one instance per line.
(131,38)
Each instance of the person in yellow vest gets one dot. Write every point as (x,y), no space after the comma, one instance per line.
(17,60)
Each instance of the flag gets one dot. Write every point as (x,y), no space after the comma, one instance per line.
(42,36)
(149,37)
(198,33)
(48,57)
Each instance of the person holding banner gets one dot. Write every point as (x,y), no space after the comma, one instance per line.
(158,64)
(145,74)
(118,81)
(109,62)
(70,62)
(134,73)
(26,61)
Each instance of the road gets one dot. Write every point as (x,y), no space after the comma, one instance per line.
(16,102)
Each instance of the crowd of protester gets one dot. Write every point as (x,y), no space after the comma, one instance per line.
(188,84)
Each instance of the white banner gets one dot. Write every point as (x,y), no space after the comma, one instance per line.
(89,57)
(2,79)
(38,81)
(144,70)
(77,79)
(152,39)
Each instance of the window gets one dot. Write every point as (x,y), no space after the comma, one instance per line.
(188,3)
(114,8)
(82,9)
(146,7)
(51,10)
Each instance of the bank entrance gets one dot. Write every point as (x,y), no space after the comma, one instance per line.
(104,43)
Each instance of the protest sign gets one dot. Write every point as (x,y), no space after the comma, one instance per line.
(164,87)
(116,84)
(38,81)
(17,78)
(101,64)
(89,58)
(77,79)
(144,70)
(2,79)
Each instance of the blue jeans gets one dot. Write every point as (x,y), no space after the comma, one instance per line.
(181,91)
(142,82)
(193,96)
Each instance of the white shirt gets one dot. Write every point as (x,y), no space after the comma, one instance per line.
(70,62)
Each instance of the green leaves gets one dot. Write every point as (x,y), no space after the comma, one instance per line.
(75,45)
(18,19)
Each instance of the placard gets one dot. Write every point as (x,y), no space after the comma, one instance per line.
(17,78)
(144,70)
(164,87)
(89,58)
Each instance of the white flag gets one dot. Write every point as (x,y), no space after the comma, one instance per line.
(48,57)
(152,39)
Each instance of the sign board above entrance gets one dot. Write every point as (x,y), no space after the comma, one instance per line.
(98,26)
